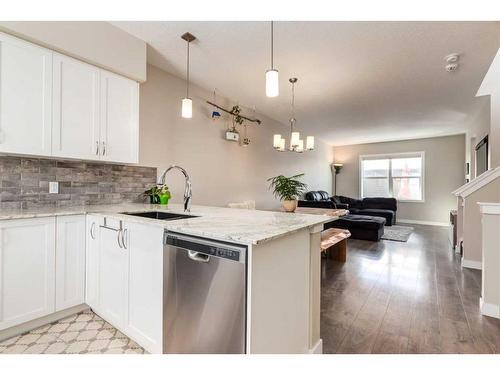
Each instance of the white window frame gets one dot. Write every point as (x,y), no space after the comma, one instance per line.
(394,156)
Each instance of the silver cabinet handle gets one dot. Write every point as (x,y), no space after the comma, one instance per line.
(119,232)
(103,148)
(198,257)
(97,147)
(92,229)
(124,233)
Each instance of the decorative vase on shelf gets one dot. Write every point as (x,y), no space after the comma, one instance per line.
(290,205)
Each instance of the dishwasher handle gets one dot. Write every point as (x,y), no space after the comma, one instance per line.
(198,257)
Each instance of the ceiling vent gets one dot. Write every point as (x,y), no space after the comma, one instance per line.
(451,62)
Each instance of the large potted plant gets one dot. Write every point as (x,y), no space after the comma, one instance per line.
(287,189)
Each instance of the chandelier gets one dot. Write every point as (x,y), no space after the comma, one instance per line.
(296,144)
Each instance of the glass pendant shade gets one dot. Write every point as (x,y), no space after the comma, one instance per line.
(187,108)
(300,146)
(294,139)
(277,141)
(282,144)
(310,142)
(272,83)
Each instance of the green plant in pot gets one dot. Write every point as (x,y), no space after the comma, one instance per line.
(288,190)
(158,194)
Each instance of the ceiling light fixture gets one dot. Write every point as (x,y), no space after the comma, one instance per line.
(296,144)
(187,103)
(272,79)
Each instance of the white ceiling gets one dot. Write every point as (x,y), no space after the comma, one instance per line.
(358,81)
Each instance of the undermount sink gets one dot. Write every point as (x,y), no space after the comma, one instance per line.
(159,215)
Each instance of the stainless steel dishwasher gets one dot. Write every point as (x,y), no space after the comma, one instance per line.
(204,295)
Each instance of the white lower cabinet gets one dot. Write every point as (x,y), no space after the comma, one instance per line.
(124,278)
(70,261)
(145,315)
(27,270)
(54,263)
(92,262)
(113,262)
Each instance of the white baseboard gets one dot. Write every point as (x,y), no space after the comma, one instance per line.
(317,348)
(421,222)
(489,309)
(32,324)
(474,264)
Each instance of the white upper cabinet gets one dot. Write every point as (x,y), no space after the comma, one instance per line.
(27,270)
(25,97)
(70,261)
(75,131)
(119,118)
(54,105)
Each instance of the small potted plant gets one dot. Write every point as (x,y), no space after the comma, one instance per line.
(164,194)
(287,189)
(153,195)
(158,194)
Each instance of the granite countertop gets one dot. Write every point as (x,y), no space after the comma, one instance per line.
(229,224)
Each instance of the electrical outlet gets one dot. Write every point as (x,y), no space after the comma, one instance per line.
(53,187)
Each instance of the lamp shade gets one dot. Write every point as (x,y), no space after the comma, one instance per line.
(277,141)
(282,144)
(310,142)
(294,139)
(300,146)
(187,108)
(272,83)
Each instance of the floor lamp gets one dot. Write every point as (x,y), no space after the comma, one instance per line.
(337,167)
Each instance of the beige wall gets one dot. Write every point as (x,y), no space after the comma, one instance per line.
(98,43)
(478,129)
(472,220)
(494,135)
(221,171)
(444,172)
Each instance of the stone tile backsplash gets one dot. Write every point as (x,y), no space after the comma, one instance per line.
(24,182)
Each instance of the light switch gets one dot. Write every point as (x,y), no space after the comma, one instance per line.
(53,187)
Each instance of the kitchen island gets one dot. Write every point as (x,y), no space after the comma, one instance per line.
(124,269)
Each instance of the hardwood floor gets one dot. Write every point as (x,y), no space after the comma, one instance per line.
(404,297)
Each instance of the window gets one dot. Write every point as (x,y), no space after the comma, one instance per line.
(395,175)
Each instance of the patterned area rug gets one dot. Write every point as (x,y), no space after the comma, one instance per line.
(83,333)
(397,233)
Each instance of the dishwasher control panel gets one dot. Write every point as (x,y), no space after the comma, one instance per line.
(221,250)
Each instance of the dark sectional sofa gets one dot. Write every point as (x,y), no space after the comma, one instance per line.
(367,217)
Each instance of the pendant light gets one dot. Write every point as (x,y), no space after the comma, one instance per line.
(187,103)
(272,79)
(296,144)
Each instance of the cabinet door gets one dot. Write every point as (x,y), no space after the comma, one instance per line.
(119,118)
(75,129)
(70,261)
(113,277)
(146,286)
(27,270)
(92,262)
(25,97)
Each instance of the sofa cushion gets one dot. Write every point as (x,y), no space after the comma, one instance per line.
(360,221)
(313,196)
(316,204)
(353,203)
(324,195)
(381,203)
(387,214)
